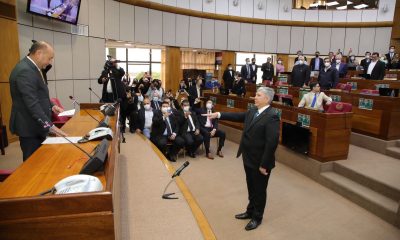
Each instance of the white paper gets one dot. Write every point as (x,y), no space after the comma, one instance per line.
(68,113)
(60,140)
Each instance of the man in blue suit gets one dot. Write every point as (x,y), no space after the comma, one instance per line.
(340,66)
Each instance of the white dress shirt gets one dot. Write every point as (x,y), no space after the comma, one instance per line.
(191,122)
(371,67)
(209,123)
(148,118)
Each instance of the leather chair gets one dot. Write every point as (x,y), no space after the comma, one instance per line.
(58,121)
(338,107)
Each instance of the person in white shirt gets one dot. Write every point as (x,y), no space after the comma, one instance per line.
(315,98)
(144,120)
(189,129)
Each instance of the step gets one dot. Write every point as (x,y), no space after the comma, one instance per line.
(398,143)
(374,184)
(393,152)
(380,205)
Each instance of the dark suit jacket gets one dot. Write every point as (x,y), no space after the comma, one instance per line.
(158,127)
(389,65)
(312,64)
(244,73)
(30,101)
(260,137)
(117,86)
(300,75)
(140,120)
(342,69)
(228,79)
(203,119)
(153,105)
(328,79)
(193,95)
(378,73)
(364,63)
(183,122)
(268,71)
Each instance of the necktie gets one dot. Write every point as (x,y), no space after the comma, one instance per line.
(41,74)
(255,116)
(248,71)
(314,101)
(156,104)
(191,127)
(169,129)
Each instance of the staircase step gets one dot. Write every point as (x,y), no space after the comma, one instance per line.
(380,205)
(376,184)
(393,152)
(398,143)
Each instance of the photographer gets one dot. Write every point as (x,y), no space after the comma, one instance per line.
(111,76)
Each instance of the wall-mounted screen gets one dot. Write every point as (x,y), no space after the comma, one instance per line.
(62,10)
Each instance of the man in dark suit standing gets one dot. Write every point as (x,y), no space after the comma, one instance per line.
(268,70)
(209,129)
(189,129)
(31,107)
(195,93)
(317,63)
(376,69)
(366,61)
(228,77)
(165,128)
(328,77)
(300,74)
(390,55)
(245,71)
(253,70)
(259,141)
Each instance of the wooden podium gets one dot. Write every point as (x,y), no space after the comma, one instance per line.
(26,215)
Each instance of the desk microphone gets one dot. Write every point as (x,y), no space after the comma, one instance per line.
(176,173)
(101,123)
(91,90)
(109,110)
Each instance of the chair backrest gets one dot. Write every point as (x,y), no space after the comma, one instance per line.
(55,117)
(280,83)
(344,87)
(339,107)
(370,92)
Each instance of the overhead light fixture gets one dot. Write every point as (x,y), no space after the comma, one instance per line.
(128,44)
(334,3)
(314,5)
(361,6)
(349,3)
(342,8)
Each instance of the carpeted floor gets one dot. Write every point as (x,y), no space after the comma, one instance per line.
(297,207)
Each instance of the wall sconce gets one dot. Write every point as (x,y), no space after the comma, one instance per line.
(385,8)
(285,8)
(235,3)
(260,5)
(209,1)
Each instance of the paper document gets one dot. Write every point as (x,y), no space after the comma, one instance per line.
(68,113)
(60,140)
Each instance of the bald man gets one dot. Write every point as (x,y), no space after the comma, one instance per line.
(31,107)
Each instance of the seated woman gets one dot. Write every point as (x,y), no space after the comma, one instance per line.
(315,98)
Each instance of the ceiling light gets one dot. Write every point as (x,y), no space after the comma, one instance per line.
(128,44)
(361,6)
(349,3)
(332,3)
(341,8)
(314,5)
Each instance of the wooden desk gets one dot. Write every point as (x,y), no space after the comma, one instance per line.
(25,215)
(381,122)
(330,133)
(371,84)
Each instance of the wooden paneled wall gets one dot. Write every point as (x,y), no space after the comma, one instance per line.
(9,55)
(172,68)
(228,57)
(396,27)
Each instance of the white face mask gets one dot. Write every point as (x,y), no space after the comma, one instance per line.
(147,106)
(367,56)
(164,109)
(209,106)
(229,68)
(391,50)
(169,109)
(301,62)
(140,98)
(248,62)
(352,58)
(338,61)
(186,108)
(327,64)
(280,62)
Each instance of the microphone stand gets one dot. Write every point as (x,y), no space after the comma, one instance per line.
(168,195)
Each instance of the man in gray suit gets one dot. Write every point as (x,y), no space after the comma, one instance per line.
(31,107)
(259,141)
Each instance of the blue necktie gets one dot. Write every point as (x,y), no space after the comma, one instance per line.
(314,101)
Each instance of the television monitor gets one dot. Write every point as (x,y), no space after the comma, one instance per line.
(296,137)
(287,101)
(61,10)
(390,92)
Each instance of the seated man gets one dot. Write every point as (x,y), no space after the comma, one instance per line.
(314,99)
(144,119)
(165,128)
(209,129)
(189,129)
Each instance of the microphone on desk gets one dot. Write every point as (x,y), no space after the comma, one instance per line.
(109,110)
(91,90)
(103,123)
(176,173)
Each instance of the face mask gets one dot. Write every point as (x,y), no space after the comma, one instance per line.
(155,98)
(316,55)
(164,109)
(208,105)
(391,50)
(352,58)
(169,110)
(301,62)
(338,61)
(254,62)
(147,106)
(247,62)
(367,56)
(186,108)
(229,68)
(280,62)
(140,98)
(327,64)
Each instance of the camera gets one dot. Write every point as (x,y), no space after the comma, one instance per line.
(110,63)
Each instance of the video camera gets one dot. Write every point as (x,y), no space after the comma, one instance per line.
(110,63)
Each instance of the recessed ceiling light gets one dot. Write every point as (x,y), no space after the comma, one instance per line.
(314,5)
(332,3)
(361,6)
(349,3)
(341,8)
(128,44)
